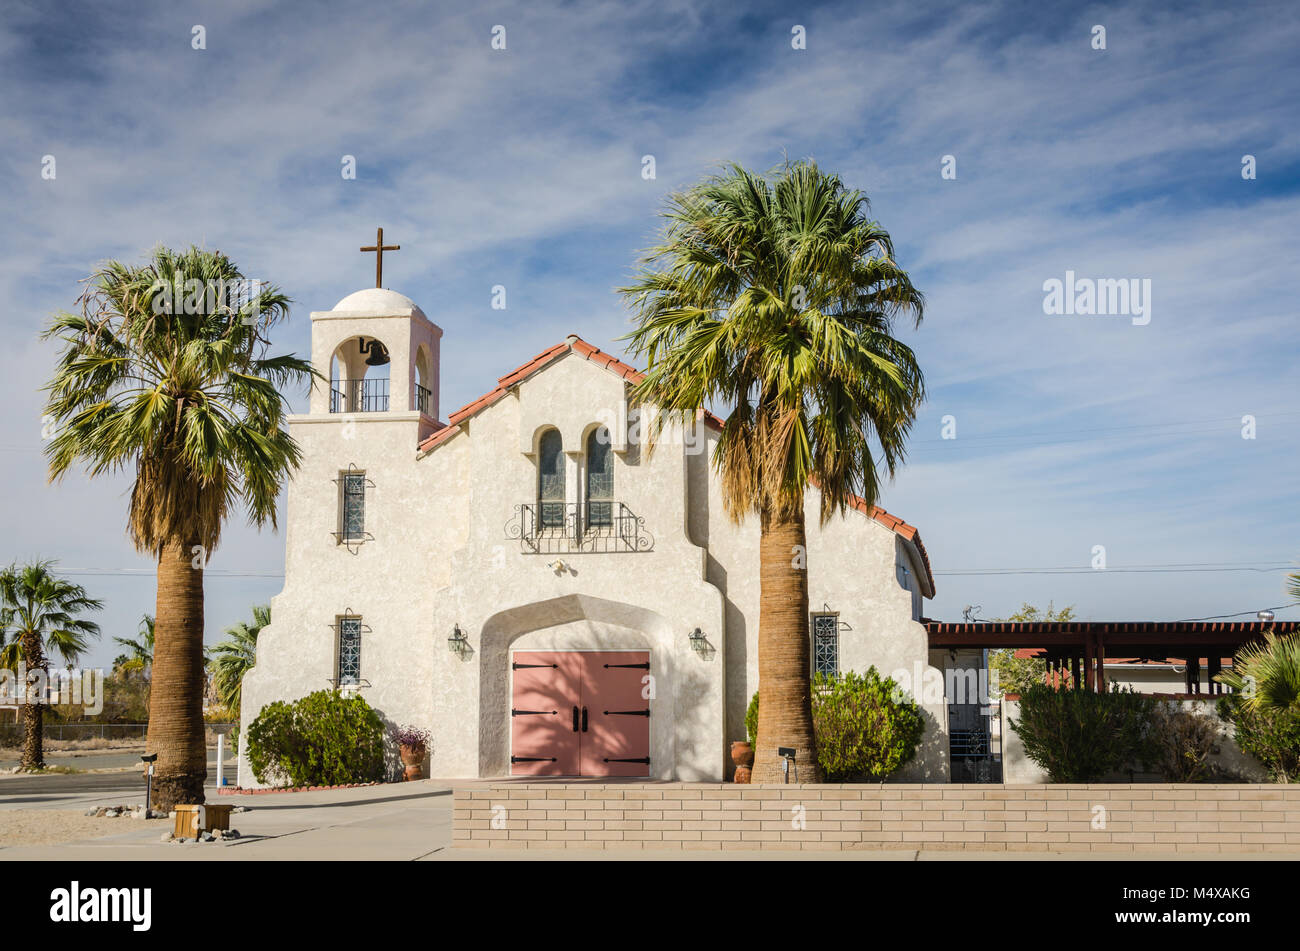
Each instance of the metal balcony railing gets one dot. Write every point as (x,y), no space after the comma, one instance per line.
(423,399)
(597,525)
(359,396)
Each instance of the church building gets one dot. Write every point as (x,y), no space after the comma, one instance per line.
(532,585)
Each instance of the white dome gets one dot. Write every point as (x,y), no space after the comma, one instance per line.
(379,302)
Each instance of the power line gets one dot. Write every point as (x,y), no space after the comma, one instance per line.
(1172,568)
(1220,617)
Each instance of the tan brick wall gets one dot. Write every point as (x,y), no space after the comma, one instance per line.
(1015,818)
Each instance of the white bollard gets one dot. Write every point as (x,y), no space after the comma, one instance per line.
(220,744)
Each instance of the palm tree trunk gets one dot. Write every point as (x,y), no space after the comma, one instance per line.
(784,660)
(176,731)
(33,713)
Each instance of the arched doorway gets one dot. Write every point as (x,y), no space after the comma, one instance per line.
(611,658)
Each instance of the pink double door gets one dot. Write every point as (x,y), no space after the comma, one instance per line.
(579,713)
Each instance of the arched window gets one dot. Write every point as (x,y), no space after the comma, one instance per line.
(550,479)
(600,479)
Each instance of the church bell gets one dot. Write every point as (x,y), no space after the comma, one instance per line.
(378,353)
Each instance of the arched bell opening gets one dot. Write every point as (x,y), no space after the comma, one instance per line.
(359,376)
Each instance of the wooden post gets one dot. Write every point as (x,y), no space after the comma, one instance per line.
(1101,665)
(1089,666)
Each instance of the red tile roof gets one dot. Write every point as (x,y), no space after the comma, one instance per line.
(595,355)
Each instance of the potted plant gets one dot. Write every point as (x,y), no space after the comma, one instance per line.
(742,755)
(414,742)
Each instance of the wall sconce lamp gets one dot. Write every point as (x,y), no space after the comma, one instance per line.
(699,643)
(458,643)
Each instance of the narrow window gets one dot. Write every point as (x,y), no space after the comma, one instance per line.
(550,479)
(352,528)
(826,644)
(349,659)
(600,479)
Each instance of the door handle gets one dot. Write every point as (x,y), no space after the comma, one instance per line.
(584,719)
(575,719)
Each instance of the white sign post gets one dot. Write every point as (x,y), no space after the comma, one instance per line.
(220,745)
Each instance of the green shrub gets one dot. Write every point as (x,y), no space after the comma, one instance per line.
(1270,734)
(864,725)
(1179,744)
(1080,736)
(324,739)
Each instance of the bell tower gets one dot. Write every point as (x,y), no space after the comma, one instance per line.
(380,354)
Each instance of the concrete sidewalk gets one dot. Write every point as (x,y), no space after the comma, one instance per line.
(400,821)
(412,822)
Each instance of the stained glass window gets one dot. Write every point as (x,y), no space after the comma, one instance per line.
(826,644)
(600,479)
(349,651)
(354,506)
(550,479)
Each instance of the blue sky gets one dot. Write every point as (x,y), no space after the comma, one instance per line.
(523,168)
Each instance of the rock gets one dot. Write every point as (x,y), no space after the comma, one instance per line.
(240,809)
(172,814)
(111,814)
(182,840)
(166,837)
(232,834)
(208,837)
(89,812)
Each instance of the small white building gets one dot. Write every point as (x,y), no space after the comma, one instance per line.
(533,586)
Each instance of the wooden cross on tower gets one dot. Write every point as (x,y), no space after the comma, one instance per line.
(379,248)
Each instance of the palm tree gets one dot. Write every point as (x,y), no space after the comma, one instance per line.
(38,615)
(1266,675)
(140,657)
(775,296)
(236,655)
(179,389)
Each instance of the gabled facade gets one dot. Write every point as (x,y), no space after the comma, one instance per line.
(534,586)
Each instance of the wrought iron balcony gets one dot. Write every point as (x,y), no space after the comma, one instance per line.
(359,396)
(423,399)
(552,528)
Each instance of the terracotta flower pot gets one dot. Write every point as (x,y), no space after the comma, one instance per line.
(413,760)
(742,754)
(743,774)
